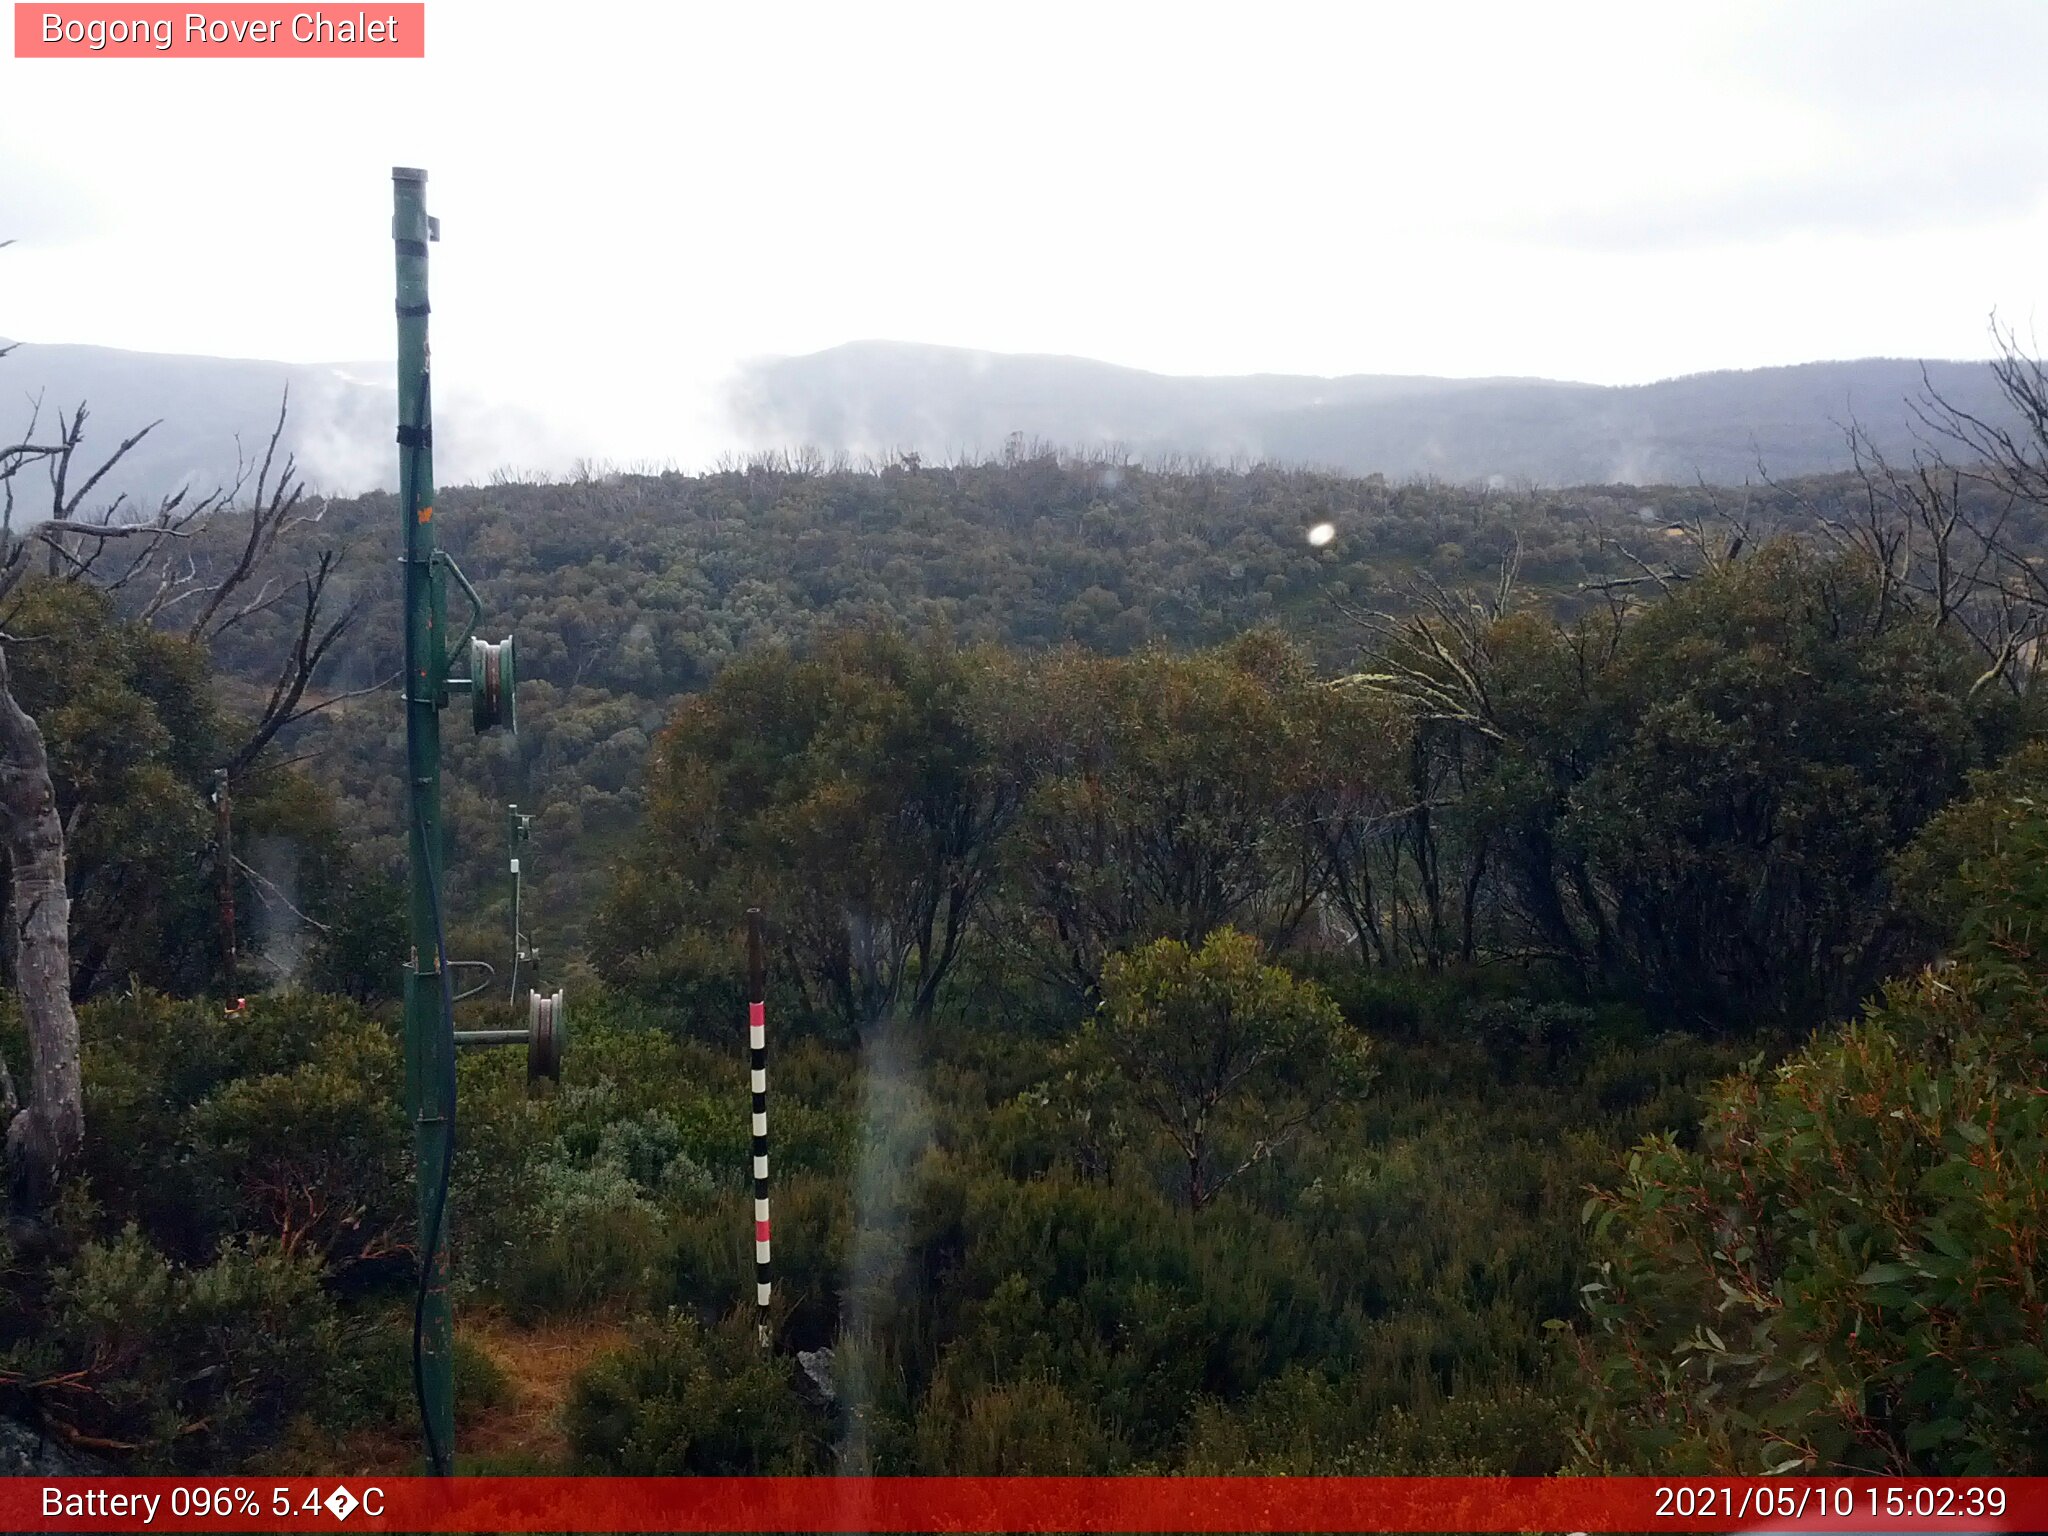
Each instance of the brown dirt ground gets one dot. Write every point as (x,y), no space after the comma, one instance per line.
(540,1363)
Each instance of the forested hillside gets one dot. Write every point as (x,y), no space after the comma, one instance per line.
(1270,971)
(628,591)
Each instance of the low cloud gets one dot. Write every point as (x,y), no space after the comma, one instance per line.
(1979,185)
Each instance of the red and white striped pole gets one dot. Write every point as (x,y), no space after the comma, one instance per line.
(757,1062)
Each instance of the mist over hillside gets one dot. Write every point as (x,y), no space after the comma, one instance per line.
(882,398)
(340,424)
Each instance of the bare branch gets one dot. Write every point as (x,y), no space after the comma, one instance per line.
(113,530)
(270,515)
(309,649)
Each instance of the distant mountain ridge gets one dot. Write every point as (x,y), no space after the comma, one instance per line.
(341,421)
(204,403)
(882,398)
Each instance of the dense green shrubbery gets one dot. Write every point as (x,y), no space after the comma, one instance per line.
(283,1120)
(1850,1272)
(594,1232)
(1226,1058)
(1304,1423)
(1021,1305)
(686,1399)
(183,1366)
(1031,1425)
(1129,1301)
(136,722)
(132,728)
(631,590)
(315,1156)
(1698,804)
(1025,1300)
(710,1258)
(240,1167)
(251,1173)
(582,1198)
(1000,886)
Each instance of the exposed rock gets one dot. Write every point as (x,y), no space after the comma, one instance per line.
(26,1451)
(816,1365)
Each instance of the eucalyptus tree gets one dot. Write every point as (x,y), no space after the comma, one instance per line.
(145,561)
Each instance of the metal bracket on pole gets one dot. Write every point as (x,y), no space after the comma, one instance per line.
(546,1033)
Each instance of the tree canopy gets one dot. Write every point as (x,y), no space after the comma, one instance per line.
(1846,1274)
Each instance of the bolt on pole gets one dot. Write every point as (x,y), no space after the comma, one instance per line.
(429,1046)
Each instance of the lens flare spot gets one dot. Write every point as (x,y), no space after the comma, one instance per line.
(1321,534)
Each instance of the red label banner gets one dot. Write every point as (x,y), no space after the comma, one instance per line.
(229,31)
(1025,1504)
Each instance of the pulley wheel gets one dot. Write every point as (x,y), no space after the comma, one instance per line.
(547,1030)
(493,685)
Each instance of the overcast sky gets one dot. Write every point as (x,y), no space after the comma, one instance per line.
(635,195)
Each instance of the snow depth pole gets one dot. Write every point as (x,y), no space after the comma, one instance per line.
(429,1042)
(757,1063)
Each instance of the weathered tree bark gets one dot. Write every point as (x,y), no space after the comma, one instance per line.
(48,1128)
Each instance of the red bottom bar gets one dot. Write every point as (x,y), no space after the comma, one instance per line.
(1025,1504)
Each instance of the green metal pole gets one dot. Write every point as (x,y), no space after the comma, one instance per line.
(429,1050)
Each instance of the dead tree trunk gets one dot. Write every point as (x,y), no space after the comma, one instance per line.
(45,1132)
